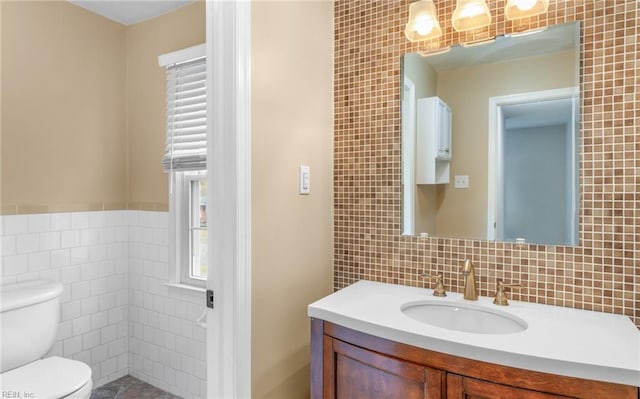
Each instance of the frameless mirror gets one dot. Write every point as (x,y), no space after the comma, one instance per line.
(490,139)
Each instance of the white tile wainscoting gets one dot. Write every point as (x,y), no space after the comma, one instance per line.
(117,315)
(166,347)
(88,253)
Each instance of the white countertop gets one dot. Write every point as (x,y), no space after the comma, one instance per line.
(564,341)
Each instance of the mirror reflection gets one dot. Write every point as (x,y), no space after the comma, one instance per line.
(490,139)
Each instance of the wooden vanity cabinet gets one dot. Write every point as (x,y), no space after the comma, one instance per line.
(347,364)
(459,387)
(354,372)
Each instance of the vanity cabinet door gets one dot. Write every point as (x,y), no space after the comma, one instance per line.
(459,387)
(433,140)
(444,131)
(355,373)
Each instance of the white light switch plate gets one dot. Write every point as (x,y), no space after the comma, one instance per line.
(305,180)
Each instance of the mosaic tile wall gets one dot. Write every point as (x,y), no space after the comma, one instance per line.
(602,273)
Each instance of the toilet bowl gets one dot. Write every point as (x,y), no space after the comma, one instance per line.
(29,315)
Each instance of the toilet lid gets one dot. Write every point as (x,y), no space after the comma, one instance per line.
(50,378)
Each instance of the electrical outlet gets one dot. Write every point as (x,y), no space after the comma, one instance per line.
(461,181)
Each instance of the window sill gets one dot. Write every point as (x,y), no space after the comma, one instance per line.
(186,287)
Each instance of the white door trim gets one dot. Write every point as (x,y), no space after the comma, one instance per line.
(495,148)
(229,180)
(408,156)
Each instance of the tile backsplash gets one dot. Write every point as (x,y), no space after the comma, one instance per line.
(116,313)
(602,273)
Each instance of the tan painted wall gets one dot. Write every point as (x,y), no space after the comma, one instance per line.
(63,109)
(292,124)
(423,76)
(146,83)
(98,129)
(417,68)
(463,212)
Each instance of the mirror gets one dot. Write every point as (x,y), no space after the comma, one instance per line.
(490,139)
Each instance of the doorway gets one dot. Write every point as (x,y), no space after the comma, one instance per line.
(533,163)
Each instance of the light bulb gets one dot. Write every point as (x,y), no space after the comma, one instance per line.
(423,22)
(525,5)
(470,14)
(423,25)
(518,9)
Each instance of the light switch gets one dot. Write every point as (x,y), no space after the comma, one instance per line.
(305,179)
(461,181)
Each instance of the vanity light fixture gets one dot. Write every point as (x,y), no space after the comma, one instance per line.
(518,9)
(470,14)
(423,22)
(526,32)
(429,53)
(478,42)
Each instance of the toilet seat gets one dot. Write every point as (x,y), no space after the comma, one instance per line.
(51,378)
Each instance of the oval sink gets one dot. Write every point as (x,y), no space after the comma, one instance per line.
(464,317)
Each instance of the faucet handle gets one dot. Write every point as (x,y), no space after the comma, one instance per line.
(439,289)
(501,297)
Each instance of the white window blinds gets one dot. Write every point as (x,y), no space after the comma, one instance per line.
(186,146)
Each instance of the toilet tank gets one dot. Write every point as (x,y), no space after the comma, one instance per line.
(29,315)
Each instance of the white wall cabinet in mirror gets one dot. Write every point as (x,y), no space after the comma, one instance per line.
(470,80)
(433,151)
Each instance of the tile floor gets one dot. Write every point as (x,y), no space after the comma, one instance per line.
(128,387)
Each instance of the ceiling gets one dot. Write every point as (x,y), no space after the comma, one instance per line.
(538,114)
(128,12)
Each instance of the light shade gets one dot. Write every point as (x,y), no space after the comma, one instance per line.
(423,22)
(517,9)
(470,14)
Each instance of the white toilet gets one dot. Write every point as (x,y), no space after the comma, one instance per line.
(29,315)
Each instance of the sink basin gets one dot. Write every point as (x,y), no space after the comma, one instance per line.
(464,317)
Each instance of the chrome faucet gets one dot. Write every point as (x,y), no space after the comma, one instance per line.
(469,281)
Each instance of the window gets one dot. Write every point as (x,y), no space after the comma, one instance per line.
(189,232)
(185,162)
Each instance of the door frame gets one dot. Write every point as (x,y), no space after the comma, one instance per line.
(408,156)
(495,144)
(228,34)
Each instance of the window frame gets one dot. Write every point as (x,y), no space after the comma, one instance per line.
(181,174)
(181,205)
